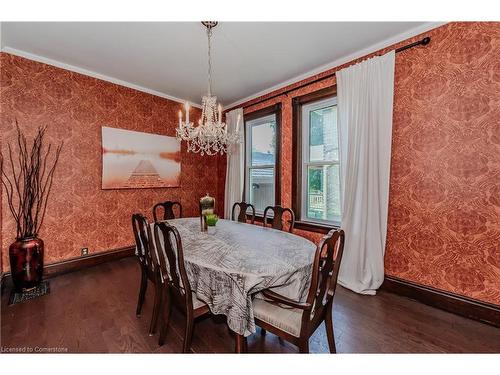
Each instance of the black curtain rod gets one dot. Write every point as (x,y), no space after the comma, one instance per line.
(422,42)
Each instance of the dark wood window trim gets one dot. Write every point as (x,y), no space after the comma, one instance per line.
(314,227)
(276,110)
(297,103)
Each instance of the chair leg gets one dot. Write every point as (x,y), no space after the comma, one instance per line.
(142,291)
(304,346)
(188,334)
(263,331)
(166,309)
(156,309)
(240,344)
(329,330)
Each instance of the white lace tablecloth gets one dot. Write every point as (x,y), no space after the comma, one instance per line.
(233,261)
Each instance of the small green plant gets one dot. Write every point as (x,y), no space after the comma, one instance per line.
(211,219)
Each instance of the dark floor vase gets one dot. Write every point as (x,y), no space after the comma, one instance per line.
(26,262)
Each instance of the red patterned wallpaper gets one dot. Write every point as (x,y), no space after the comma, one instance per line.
(444,210)
(444,214)
(74,107)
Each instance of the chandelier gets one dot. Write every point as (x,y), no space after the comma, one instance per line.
(211,135)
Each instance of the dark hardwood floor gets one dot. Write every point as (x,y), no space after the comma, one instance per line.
(93,310)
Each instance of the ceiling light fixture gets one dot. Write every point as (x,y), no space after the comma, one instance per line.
(211,136)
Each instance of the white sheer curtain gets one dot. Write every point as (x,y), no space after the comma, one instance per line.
(365,94)
(235,169)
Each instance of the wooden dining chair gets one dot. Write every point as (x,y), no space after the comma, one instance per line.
(149,267)
(168,210)
(277,221)
(296,321)
(242,215)
(177,291)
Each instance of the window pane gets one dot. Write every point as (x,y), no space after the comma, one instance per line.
(264,143)
(323,192)
(323,136)
(261,187)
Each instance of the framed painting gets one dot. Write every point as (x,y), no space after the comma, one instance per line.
(136,160)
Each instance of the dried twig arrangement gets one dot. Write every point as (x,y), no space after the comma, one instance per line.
(30,181)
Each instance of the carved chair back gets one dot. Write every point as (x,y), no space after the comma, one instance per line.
(278,219)
(168,210)
(242,215)
(324,277)
(140,226)
(171,259)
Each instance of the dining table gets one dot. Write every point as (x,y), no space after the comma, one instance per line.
(230,263)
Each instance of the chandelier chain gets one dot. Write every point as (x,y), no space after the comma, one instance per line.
(209,34)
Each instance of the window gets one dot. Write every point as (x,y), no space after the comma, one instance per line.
(261,160)
(320,168)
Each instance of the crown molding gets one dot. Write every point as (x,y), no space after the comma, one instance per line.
(76,69)
(356,55)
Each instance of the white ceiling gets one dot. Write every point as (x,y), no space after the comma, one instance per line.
(170,58)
